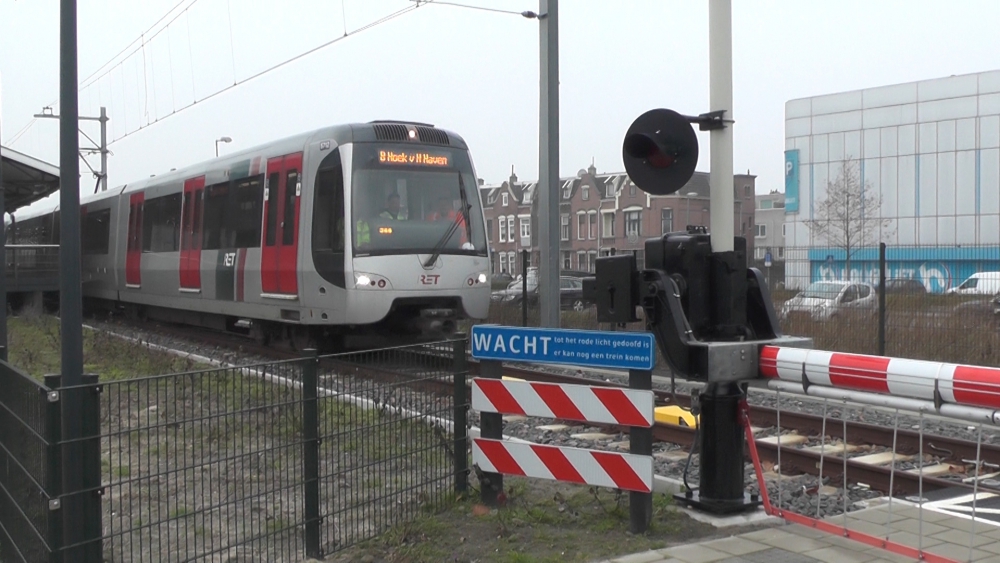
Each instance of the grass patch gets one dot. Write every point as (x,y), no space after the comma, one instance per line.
(543,522)
(34,346)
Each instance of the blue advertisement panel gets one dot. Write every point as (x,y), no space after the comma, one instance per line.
(792,181)
(938,269)
(593,348)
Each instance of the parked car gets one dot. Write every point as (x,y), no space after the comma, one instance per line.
(501,280)
(570,293)
(903,286)
(826,300)
(983,283)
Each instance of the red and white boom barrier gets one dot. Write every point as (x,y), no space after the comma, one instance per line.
(953,390)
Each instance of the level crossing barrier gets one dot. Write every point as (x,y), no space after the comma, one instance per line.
(954,512)
(494,397)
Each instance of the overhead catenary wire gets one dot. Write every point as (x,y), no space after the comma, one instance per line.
(471,7)
(274,67)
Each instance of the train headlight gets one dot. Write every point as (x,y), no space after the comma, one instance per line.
(371,281)
(364,280)
(477,279)
(482,278)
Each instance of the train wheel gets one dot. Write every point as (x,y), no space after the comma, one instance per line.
(260,333)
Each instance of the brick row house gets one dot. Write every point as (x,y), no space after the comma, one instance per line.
(600,215)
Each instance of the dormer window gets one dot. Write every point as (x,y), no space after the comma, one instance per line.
(505,201)
(585,193)
(609,189)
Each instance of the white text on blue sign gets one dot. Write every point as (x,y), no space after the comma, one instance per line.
(580,347)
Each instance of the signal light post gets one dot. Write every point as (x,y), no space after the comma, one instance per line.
(710,314)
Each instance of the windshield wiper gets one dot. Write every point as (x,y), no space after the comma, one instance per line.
(436,251)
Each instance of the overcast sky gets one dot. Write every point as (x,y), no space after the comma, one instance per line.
(472,71)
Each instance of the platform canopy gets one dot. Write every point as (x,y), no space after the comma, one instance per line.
(26,179)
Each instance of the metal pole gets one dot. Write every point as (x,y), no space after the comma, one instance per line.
(104,149)
(640,443)
(491,427)
(548,165)
(3,244)
(70,306)
(720,61)
(524,288)
(881,299)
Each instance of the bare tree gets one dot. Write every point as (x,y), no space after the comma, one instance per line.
(850,216)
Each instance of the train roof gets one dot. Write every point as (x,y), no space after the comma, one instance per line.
(374,131)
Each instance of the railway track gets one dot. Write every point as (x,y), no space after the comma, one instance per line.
(798,452)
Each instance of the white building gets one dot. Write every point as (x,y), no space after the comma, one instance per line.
(931,150)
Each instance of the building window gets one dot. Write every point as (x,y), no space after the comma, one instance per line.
(609,189)
(504,268)
(640,258)
(593,225)
(632,223)
(581,261)
(766,204)
(592,255)
(781,252)
(564,227)
(761,231)
(503,229)
(510,228)
(567,260)
(607,252)
(759,252)
(585,193)
(609,225)
(581,226)
(666,221)
(525,227)
(489,230)
(748,190)
(783,229)
(631,188)
(504,197)
(566,190)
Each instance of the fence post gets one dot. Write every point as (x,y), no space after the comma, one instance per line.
(491,484)
(81,504)
(310,451)
(53,465)
(640,443)
(881,299)
(461,428)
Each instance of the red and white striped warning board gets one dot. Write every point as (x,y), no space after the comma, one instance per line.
(588,467)
(957,384)
(602,405)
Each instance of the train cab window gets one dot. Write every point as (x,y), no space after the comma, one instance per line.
(161,221)
(232,214)
(95,231)
(328,220)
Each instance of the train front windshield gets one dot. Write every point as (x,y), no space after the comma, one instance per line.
(409,199)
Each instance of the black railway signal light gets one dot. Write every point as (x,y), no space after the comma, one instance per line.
(660,151)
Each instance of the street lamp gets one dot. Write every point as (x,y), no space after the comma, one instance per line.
(687,219)
(221,140)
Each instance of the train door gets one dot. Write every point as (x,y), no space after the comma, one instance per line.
(133,249)
(279,249)
(191,230)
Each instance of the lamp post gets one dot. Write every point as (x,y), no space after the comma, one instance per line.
(221,140)
(687,218)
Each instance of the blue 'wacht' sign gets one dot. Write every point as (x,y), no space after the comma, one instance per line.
(594,348)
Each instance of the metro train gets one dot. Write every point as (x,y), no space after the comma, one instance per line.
(255,242)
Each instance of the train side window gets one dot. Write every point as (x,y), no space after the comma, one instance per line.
(288,221)
(161,220)
(242,221)
(216,197)
(272,208)
(95,230)
(197,227)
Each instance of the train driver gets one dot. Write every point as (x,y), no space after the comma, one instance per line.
(446,212)
(392,210)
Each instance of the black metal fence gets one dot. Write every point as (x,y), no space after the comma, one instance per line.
(272,462)
(919,317)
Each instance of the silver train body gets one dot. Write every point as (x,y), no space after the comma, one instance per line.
(299,237)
